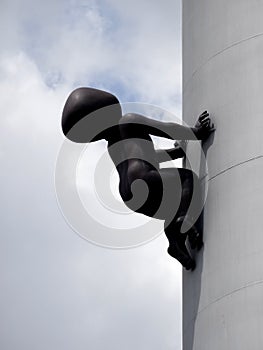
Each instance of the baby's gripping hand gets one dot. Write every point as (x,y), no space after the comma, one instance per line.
(203,127)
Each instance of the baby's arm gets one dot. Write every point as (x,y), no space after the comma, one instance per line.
(170,130)
(165,155)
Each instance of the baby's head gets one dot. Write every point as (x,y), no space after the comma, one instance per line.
(88,114)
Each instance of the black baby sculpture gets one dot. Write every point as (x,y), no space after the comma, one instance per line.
(90,115)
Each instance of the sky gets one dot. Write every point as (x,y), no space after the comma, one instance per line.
(59,291)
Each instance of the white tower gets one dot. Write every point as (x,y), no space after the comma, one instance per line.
(223,73)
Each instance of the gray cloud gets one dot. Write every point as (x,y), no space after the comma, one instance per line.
(79,43)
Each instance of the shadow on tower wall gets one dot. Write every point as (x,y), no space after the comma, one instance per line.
(192,279)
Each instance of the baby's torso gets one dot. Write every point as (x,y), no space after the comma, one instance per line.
(133,148)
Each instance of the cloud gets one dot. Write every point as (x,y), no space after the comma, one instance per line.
(89,42)
(58,291)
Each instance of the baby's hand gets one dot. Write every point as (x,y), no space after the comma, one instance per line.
(182,144)
(203,127)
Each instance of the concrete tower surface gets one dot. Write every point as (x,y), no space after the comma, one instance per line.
(223,73)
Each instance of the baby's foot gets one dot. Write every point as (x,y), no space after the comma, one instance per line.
(195,238)
(181,256)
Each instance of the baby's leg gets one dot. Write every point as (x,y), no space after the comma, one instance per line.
(177,248)
(187,182)
(182,223)
(190,207)
(182,196)
(144,184)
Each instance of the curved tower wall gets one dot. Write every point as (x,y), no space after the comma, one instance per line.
(223,73)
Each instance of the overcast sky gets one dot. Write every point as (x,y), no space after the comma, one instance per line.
(58,291)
